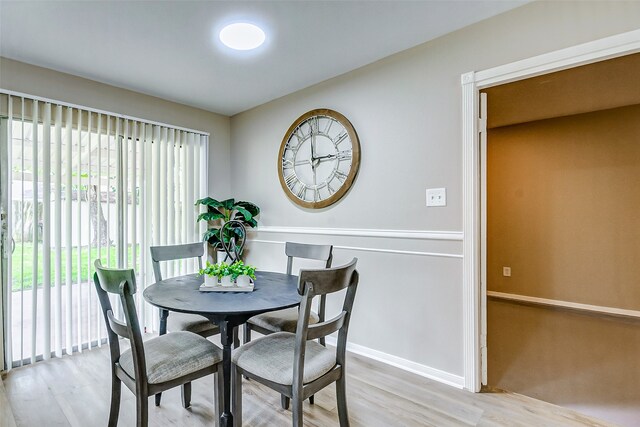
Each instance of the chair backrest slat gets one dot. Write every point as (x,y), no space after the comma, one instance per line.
(105,305)
(117,326)
(175,252)
(307,251)
(319,330)
(328,280)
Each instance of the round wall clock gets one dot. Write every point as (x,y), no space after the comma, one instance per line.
(319,158)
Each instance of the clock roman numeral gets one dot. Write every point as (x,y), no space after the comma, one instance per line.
(287,163)
(344,155)
(291,180)
(343,135)
(314,125)
(341,176)
(293,146)
(302,191)
(328,128)
(300,136)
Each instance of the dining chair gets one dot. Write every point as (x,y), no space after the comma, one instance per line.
(293,364)
(155,365)
(181,321)
(286,320)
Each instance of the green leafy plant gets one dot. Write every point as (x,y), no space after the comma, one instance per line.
(234,270)
(239,268)
(219,213)
(218,270)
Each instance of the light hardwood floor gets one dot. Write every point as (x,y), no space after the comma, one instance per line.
(74,391)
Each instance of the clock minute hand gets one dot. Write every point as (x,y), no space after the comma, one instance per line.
(313,147)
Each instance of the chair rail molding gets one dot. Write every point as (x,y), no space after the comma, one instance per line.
(473,165)
(365,232)
(364,249)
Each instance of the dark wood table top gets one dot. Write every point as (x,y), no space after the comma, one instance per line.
(272,291)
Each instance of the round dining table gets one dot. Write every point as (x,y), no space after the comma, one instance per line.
(272,291)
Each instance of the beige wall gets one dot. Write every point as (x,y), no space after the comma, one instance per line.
(407,111)
(32,80)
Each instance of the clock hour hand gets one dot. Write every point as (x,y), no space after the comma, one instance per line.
(329,156)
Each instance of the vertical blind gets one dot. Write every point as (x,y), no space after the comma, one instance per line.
(86,185)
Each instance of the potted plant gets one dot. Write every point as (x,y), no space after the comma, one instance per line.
(228,274)
(243,273)
(217,273)
(238,214)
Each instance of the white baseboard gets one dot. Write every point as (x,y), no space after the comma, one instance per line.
(404,364)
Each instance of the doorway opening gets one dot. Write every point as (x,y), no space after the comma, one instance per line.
(563,309)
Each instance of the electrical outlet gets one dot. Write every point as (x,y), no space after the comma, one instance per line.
(506,271)
(436,197)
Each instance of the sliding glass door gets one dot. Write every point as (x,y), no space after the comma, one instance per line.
(82,185)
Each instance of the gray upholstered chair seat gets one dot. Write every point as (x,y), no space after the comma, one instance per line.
(272,357)
(190,322)
(174,355)
(282,320)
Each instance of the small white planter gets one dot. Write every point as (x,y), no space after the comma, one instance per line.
(243,281)
(226,281)
(210,280)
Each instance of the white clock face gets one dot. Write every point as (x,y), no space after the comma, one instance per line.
(319,159)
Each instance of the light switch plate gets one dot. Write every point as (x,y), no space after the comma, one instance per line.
(436,197)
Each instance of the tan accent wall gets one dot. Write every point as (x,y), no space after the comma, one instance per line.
(563,205)
(563,208)
(574,91)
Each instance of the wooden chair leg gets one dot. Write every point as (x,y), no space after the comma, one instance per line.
(142,410)
(218,394)
(312,400)
(297,412)
(284,401)
(186,394)
(236,401)
(321,341)
(116,392)
(341,396)
(236,339)
(247,333)
(164,314)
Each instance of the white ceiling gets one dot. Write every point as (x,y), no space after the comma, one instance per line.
(170,49)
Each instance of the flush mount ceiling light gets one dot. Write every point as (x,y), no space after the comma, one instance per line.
(242,36)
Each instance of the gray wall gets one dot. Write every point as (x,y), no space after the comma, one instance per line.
(407,111)
(26,78)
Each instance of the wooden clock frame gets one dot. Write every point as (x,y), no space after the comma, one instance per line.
(355,158)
